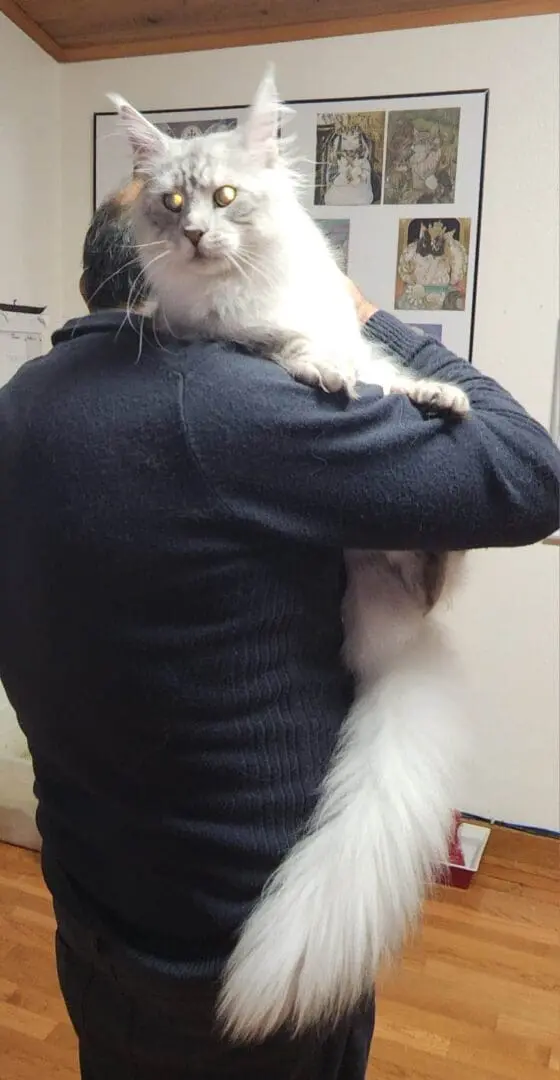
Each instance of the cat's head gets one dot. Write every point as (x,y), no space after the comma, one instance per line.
(214,205)
(432,239)
(355,143)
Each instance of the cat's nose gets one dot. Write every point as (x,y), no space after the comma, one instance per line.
(194,235)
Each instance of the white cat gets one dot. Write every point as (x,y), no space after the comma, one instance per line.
(230,253)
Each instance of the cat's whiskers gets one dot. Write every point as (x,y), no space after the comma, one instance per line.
(151,243)
(131,262)
(133,297)
(130,305)
(237,263)
(140,338)
(243,257)
(159,343)
(134,294)
(163,313)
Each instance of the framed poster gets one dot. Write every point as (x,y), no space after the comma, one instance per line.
(395,182)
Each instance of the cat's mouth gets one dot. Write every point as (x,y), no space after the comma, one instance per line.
(198,255)
(208,262)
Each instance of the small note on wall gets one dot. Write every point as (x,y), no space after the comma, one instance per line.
(22,334)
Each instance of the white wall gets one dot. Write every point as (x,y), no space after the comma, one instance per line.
(506,621)
(30,162)
(30,190)
(30,272)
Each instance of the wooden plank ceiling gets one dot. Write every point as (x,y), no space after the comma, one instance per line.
(72,30)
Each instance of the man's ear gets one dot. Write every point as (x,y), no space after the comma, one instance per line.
(83,293)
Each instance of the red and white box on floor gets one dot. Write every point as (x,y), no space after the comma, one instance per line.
(466,848)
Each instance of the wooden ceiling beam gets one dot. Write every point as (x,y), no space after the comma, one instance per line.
(455,12)
(32,29)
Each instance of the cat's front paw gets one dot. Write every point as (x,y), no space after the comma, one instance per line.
(438,397)
(308,370)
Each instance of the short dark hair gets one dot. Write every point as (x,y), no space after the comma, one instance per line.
(111,268)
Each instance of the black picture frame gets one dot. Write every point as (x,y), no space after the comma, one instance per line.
(483,92)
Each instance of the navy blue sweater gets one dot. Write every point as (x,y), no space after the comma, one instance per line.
(171,529)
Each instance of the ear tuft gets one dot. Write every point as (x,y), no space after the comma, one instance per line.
(262,129)
(146,140)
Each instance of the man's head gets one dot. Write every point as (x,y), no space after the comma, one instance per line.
(112,274)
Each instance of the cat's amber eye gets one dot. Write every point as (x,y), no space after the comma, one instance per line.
(174,201)
(224,196)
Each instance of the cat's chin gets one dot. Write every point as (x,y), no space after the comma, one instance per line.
(209,265)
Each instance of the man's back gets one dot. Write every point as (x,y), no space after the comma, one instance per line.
(171,527)
(177,676)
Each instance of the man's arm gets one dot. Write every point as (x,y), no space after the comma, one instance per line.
(375,472)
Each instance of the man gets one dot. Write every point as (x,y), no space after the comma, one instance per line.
(112,275)
(172,527)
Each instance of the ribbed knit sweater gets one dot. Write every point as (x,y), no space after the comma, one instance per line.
(172,522)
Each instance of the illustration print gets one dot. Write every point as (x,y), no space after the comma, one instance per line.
(349,158)
(190,129)
(421,162)
(337,231)
(432,263)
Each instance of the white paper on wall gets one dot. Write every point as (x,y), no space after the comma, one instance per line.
(21,339)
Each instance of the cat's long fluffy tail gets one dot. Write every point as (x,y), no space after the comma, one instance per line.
(346,894)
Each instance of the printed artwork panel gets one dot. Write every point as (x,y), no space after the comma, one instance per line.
(421,159)
(349,158)
(432,262)
(337,231)
(190,129)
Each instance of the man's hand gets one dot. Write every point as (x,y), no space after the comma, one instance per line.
(364,309)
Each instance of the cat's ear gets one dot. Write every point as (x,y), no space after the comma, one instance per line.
(146,140)
(262,129)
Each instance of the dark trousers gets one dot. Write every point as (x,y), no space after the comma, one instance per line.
(135,1025)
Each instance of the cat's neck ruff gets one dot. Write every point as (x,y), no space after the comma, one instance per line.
(293,272)
(189,302)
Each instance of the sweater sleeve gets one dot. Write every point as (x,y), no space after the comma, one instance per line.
(373,473)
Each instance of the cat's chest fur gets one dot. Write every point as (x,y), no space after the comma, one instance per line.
(300,296)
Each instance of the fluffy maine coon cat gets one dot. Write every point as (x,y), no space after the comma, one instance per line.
(230,253)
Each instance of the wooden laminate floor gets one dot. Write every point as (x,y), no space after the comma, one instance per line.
(477,996)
